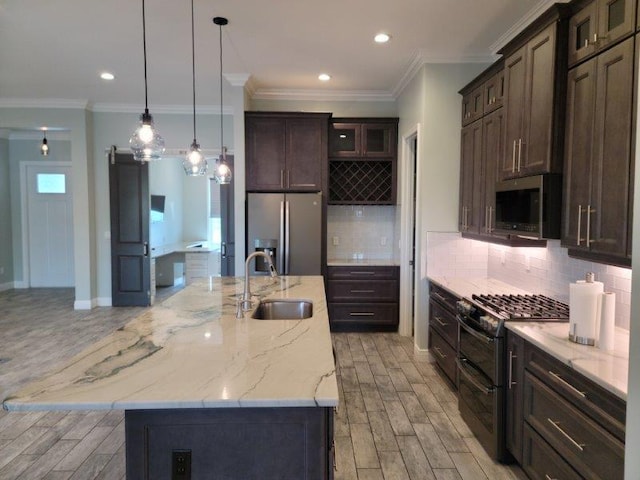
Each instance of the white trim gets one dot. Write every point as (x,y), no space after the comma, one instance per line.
(38,134)
(523,23)
(5,133)
(342,95)
(20,284)
(103,302)
(422,353)
(237,79)
(26,280)
(414,67)
(43,103)
(161,109)
(7,286)
(406,171)
(83,304)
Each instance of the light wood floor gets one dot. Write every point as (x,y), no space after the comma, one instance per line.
(397,418)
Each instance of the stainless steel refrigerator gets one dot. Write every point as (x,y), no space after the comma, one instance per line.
(288,227)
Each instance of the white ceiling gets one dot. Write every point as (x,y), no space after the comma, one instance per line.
(55,49)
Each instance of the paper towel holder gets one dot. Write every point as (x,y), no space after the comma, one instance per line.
(582,340)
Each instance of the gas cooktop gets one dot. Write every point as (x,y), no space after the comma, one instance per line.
(537,308)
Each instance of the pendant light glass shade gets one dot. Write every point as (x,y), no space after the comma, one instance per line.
(194,163)
(222,173)
(146,144)
(44,146)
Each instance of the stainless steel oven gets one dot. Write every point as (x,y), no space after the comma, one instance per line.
(481,359)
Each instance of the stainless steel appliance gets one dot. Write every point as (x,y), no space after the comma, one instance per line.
(529,207)
(481,358)
(288,227)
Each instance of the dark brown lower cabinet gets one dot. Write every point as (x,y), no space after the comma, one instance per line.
(230,443)
(443,331)
(363,297)
(568,426)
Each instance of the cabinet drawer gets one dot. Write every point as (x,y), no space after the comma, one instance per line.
(541,462)
(368,290)
(370,313)
(444,354)
(605,408)
(444,322)
(444,297)
(586,446)
(363,272)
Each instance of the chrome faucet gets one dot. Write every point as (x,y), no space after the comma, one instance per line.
(244,304)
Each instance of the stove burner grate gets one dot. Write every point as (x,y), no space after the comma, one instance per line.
(525,307)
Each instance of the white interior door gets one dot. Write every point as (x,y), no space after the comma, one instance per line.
(50,226)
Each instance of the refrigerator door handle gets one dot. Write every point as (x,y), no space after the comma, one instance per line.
(287,246)
(282,246)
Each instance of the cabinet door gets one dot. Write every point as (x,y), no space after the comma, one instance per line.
(378,140)
(514,100)
(492,134)
(473,105)
(265,144)
(514,391)
(534,151)
(471,156)
(612,151)
(582,27)
(305,154)
(581,95)
(493,92)
(344,140)
(616,18)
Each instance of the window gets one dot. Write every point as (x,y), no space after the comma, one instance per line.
(51,183)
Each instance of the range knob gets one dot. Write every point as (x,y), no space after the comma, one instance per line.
(465,307)
(488,323)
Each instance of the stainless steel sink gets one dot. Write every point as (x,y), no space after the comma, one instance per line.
(283,309)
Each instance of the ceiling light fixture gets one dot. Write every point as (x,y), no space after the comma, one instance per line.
(194,163)
(44,146)
(222,174)
(325,77)
(107,76)
(145,142)
(382,38)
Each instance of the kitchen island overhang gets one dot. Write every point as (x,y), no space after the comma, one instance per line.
(190,362)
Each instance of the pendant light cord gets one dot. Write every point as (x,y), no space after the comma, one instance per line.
(144,50)
(193,72)
(221,113)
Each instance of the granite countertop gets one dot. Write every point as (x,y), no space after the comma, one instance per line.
(190,351)
(609,369)
(369,262)
(182,247)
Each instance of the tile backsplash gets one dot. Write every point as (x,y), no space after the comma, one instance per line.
(548,271)
(364,232)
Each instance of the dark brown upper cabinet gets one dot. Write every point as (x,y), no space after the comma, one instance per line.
(597,25)
(473,105)
(285,151)
(598,160)
(470,177)
(534,97)
(493,92)
(363,139)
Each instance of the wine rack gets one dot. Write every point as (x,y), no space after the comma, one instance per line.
(366,182)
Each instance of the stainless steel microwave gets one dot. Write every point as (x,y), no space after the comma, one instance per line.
(529,207)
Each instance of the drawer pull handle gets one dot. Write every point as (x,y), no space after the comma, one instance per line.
(547,477)
(439,320)
(579,446)
(510,381)
(362,291)
(362,273)
(361,314)
(439,352)
(567,384)
(440,297)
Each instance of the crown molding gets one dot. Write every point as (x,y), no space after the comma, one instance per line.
(324,95)
(525,21)
(43,103)
(209,153)
(38,134)
(237,79)
(161,109)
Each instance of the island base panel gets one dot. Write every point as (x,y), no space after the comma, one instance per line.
(232,443)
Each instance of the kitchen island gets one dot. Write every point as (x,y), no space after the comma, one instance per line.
(225,397)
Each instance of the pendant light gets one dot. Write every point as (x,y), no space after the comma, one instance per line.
(145,142)
(44,147)
(194,163)
(222,173)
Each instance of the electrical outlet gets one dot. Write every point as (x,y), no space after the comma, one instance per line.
(181,465)
(335,241)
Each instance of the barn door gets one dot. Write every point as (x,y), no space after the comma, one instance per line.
(129,202)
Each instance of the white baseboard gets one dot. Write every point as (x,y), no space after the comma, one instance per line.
(103,301)
(7,286)
(83,304)
(20,284)
(420,352)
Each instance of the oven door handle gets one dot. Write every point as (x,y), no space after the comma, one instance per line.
(471,331)
(463,370)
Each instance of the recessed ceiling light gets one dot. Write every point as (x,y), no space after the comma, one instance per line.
(382,38)
(107,76)
(325,77)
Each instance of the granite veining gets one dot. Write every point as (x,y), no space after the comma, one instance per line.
(191,351)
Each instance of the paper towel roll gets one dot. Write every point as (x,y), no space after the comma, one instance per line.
(607,321)
(584,311)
